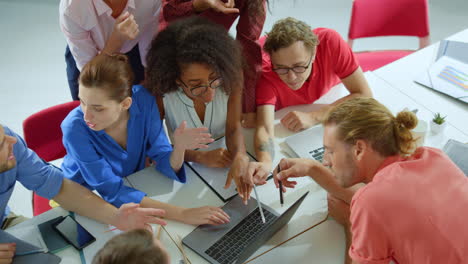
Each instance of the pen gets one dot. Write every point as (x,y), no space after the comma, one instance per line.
(280,188)
(259,203)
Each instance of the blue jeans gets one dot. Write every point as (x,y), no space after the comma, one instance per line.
(73,73)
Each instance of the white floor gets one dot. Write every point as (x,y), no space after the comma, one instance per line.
(32,67)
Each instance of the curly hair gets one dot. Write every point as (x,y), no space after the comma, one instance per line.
(286,32)
(193,40)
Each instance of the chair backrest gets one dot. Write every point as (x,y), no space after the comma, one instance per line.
(374,18)
(42,131)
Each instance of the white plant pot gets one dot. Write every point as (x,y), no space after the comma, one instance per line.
(436,128)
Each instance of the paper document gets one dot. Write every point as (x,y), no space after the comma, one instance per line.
(450,76)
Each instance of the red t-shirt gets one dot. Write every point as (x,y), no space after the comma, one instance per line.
(334,60)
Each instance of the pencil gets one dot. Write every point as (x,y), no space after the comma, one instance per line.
(280,188)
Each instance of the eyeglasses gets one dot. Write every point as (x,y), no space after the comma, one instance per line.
(296,69)
(201,89)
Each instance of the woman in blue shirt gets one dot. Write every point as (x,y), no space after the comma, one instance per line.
(115,128)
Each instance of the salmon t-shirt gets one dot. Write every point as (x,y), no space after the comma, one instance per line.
(415,210)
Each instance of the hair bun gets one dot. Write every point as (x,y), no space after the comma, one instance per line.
(407,119)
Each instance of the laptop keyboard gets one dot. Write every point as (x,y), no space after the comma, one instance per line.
(228,248)
(317,154)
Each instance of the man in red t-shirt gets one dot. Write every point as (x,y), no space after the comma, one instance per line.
(304,65)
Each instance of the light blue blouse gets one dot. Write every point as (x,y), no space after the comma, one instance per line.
(97,161)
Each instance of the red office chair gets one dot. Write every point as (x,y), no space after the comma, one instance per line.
(43,134)
(371,18)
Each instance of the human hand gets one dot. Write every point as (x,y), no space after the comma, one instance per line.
(216,5)
(238,173)
(216,158)
(191,138)
(339,210)
(132,216)
(7,252)
(259,171)
(205,215)
(297,121)
(291,168)
(125,27)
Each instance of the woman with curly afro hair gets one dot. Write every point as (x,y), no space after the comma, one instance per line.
(196,71)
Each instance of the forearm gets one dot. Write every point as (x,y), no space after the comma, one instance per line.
(264,145)
(199,6)
(235,141)
(192,156)
(319,115)
(76,198)
(324,177)
(113,45)
(172,212)
(177,158)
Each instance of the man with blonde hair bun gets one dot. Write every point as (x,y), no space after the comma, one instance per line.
(413,206)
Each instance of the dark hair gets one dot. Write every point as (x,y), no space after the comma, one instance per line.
(110,72)
(136,246)
(193,40)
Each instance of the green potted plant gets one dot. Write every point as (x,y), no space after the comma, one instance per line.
(438,123)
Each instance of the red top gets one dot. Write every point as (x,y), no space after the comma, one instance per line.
(334,60)
(248,32)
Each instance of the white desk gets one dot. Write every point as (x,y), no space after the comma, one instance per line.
(323,244)
(401,74)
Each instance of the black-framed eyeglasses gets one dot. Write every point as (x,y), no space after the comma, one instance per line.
(201,89)
(296,69)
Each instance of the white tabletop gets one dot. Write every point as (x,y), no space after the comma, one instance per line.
(402,73)
(323,244)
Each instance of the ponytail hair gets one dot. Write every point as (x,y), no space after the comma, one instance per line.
(367,119)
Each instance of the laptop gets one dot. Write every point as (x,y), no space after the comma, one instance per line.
(457,152)
(308,143)
(236,241)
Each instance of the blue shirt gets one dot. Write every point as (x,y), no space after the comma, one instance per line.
(31,171)
(95,160)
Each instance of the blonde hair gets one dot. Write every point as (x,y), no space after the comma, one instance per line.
(288,31)
(367,119)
